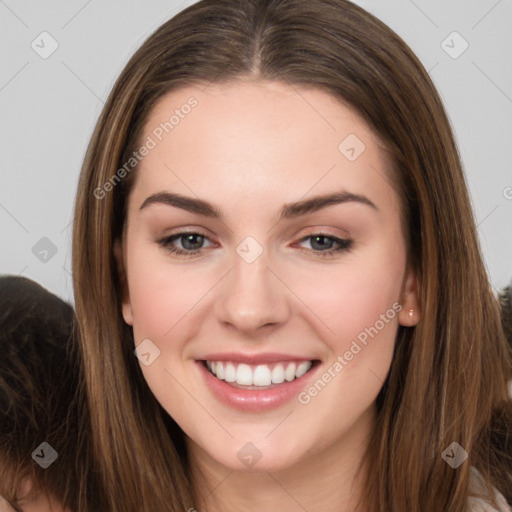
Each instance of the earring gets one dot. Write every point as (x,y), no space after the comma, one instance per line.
(411,313)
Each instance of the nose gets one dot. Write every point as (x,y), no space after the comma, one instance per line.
(252,297)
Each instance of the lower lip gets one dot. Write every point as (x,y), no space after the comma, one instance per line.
(255,400)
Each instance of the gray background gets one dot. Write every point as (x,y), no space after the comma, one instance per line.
(49,107)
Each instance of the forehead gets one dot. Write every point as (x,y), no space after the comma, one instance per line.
(269,140)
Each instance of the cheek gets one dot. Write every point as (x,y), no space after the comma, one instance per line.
(359,302)
(359,295)
(161,294)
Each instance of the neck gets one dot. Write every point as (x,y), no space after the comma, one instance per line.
(324,481)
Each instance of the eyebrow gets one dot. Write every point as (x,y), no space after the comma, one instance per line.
(289,211)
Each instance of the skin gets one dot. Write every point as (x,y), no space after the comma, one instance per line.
(249,148)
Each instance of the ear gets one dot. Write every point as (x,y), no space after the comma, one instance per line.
(121,272)
(410,313)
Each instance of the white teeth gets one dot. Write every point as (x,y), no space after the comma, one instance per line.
(230,373)
(260,375)
(302,369)
(244,375)
(289,373)
(220,371)
(278,374)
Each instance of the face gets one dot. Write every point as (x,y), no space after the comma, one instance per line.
(262,281)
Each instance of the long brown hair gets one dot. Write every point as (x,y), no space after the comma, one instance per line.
(448,377)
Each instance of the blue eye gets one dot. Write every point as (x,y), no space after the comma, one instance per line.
(192,243)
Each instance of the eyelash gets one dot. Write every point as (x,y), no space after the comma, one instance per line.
(345,245)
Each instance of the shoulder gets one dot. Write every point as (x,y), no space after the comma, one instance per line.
(480,504)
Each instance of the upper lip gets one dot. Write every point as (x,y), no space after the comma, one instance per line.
(252,359)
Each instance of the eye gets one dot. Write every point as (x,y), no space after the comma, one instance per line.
(318,244)
(191,242)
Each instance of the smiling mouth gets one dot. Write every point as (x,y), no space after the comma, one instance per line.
(261,376)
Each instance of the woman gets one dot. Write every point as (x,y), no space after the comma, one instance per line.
(280,293)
